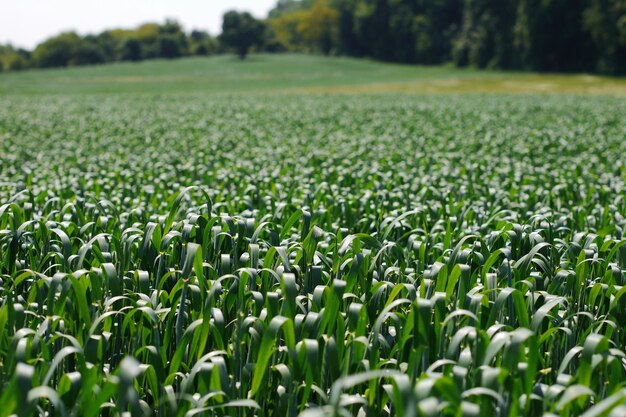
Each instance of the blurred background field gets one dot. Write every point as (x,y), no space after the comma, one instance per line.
(295,74)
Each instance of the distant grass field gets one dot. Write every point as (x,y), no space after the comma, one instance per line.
(279,74)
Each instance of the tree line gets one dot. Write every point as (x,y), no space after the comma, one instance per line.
(538,35)
(148,41)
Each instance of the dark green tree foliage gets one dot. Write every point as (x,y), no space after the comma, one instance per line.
(541,35)
(58,51)
(404,25)
(89,52)
(270,43)
(131,50)
(241,31)
(549,35)
(201,43)
(169,47)
(485,36)
(287,6)
(172,41)
(437,24)
(349,42)
(12,59)
(605,22)
(68,49)
(371,25)
(108,45)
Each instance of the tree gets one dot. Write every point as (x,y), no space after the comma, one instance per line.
(320,27)
(131,50)
(169,47)
(348,42)
(605,22)
(549,35)
(289,6)
(88,51)
(58,51)
(313,29)
(485,38)
(108,45)
(286,30)
(436,25)
(12,59)
(241,31)
(201,43)
(172,41)
(148,37)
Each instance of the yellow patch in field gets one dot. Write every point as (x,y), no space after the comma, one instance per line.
(517,85)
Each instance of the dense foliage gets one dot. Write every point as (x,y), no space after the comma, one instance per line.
(241,31)
(544,35)
(151,40)
(537,35)
(387,255)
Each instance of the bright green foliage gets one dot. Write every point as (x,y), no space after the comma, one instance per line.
(334,255)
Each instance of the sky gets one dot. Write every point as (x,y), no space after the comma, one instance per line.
(25,23)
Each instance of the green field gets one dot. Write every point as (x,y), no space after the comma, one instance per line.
(233,239)
(294,74)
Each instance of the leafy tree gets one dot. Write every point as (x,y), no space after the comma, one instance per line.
(148,37)
(88,52)
(286,31)
(171,27)
(131,50)
(288,6)
(319,26)
(371,25)
(271,42)
(58,51)
(543,35)
(241,31)
(108,44)
(548,35)
(172,40)
(485,37)
(198,35)
(436,25)
(169,46)
(605,22)
(348,42)
(201,43)
(12,59)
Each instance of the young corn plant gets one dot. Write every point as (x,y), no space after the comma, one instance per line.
(312,256)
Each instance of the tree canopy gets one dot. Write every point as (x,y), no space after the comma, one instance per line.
(241,31)
(538,35)
(150,40)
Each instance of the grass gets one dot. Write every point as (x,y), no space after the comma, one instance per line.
(295,74)
(276,250)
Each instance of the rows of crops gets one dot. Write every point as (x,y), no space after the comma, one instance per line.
(379,256)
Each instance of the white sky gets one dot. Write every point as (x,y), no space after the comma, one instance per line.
(25,23)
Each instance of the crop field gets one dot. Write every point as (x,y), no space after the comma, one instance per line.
(199,254)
